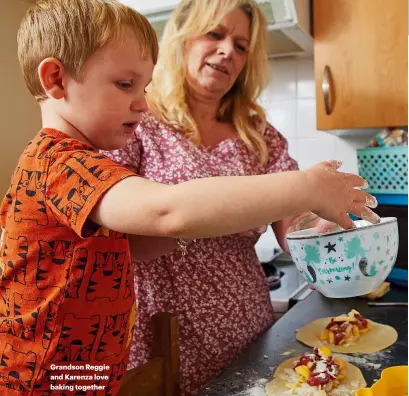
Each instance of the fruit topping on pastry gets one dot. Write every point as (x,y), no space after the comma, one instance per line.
(345,328)
(319,370)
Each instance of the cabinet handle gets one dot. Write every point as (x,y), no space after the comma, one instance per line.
(326,87)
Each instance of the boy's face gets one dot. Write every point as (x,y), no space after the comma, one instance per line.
(107,102)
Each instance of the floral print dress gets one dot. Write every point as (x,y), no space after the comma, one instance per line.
(216,286)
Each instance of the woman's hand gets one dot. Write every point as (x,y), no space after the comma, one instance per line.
(335,194)
(324,226)
(306,220)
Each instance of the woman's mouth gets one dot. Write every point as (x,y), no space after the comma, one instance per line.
(219,68)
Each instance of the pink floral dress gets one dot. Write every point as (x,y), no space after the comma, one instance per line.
(215,286)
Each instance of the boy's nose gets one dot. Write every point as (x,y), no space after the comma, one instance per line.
(139,105)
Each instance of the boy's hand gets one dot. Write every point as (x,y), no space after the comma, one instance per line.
(336,194)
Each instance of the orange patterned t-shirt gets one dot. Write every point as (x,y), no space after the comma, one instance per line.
(67,302)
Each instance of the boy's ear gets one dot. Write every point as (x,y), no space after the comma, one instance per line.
(51,73)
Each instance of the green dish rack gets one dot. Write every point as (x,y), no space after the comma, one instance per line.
(385,169)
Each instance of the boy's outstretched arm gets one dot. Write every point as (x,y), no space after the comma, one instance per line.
(217,206)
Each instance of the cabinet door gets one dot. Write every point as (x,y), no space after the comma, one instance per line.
(363,44)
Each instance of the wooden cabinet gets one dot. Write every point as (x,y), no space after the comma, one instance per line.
(361,59)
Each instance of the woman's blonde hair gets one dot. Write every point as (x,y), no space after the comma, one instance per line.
(166,94)
(72,30)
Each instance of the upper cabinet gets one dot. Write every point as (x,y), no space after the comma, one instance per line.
(361,63)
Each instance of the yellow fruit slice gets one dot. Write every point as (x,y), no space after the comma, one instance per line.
(303,371)
(324,351)
(340,363)
(331,337)
(324,335)
(355,331)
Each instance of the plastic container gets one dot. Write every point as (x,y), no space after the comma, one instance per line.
(398,276)
(392,199)
(385,169)
(393,382)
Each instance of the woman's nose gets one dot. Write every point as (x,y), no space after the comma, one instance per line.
(226,48)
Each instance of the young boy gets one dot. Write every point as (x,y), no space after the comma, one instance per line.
(67,302)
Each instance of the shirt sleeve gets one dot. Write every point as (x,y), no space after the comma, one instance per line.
(129,156)
(77,179)
(278,158)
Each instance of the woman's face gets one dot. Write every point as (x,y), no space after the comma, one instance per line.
(215,60)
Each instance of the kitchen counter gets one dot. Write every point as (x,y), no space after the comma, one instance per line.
(247,375)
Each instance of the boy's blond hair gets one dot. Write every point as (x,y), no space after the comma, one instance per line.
(72,30)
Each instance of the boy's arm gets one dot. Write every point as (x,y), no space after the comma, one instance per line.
(198,208)
(225,205)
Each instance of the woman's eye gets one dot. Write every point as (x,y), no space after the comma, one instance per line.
(240,48)
(125,85)
(214,35)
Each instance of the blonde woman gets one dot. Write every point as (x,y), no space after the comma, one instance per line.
(205,121)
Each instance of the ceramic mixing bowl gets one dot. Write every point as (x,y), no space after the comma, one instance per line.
(346,263)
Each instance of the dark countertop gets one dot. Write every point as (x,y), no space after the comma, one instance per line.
(247,375)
